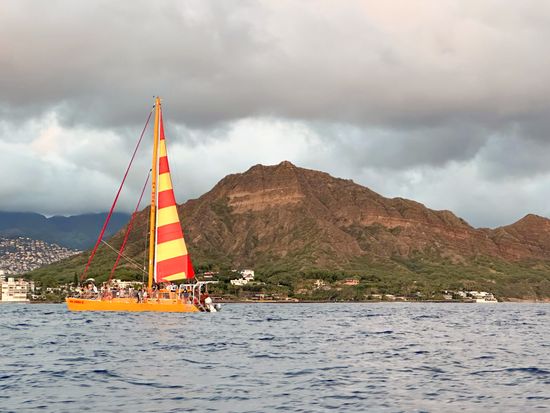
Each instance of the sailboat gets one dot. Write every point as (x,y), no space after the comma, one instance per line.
(169,259)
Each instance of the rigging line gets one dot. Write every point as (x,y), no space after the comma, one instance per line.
(130,260)
(129,229)
(100,237)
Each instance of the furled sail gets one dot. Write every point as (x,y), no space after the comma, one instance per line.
(172,258)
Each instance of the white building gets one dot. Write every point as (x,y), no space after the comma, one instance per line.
(247,274)
(318,284)
(239,281)
(482,296)
(16,290)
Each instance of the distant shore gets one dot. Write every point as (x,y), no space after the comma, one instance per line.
(517,301)
(510,300)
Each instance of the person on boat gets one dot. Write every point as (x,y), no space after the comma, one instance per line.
(107,294)
(139,295)
(91,291)
(173,291)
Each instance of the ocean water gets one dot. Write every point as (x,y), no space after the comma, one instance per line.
(379,357)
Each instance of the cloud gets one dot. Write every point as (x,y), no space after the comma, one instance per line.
(358,62)
(428,99)
(64,171)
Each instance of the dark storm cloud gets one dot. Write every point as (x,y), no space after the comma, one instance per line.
(403,148)
(99,63)
(361,62)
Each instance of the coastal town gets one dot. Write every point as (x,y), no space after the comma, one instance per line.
(22,290)
(246,278)
(21,254)
(243,287)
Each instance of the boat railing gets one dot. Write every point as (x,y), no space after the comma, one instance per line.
(196,291)
(188,293)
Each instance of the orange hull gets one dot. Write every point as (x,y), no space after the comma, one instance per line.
(130,305)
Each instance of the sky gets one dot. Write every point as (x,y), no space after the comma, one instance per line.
(446,102)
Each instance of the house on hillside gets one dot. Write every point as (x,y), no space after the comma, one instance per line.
(247,274)
(246,277)
(318,284)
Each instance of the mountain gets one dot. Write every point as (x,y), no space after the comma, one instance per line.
(286,212)
(77,232)
(284,220)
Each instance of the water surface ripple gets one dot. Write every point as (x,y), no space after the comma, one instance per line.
(380,357)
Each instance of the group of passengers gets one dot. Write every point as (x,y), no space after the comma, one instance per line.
(187,294)
(105,292)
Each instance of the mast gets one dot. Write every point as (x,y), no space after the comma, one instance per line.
(152,215)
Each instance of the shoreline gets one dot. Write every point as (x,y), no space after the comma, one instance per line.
(523,301)
(508,300)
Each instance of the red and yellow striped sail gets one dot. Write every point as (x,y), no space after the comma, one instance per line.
(172,259)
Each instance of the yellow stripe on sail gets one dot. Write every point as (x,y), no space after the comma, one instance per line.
(162,148)
(165,183)
(178,276)
(168,215)
(171,249)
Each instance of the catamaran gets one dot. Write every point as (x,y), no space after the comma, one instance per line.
(169,259)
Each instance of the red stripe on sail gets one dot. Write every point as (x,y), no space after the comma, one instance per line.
(166,199)
(163,165)
(169,232)
(175,265)
(171,266)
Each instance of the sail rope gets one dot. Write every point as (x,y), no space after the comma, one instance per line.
(127,258)
(102,233)
(128,229)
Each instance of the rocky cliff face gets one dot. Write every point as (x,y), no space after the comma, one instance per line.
(283,212)
(527,238)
